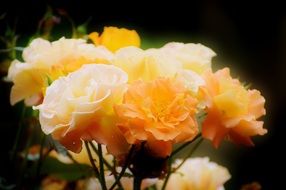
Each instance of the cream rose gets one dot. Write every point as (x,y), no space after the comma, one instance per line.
(195,57)
(191,79)
(127,183)
(44,60)
(80,107)
(146,65)
(198,173)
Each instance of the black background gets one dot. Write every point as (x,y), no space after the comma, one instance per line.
(250,37)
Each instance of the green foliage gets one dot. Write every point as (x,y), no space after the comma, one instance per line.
(70,172)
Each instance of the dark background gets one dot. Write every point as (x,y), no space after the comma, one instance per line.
(251,39)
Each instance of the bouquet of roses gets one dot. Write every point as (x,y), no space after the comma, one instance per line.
(127,112)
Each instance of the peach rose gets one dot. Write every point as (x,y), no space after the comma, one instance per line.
(45,61)
(161,112)
(198,174)
(232,110)
(80,107)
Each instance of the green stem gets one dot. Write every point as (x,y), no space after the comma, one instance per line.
(137,183)
(101,167)
(189,154)
(125,166)
(112,169)
(105,162)
(168,174)
(39,164)
(92,161)
(175,152)
(19,132)
(11,49)
(184,145)
(24,163)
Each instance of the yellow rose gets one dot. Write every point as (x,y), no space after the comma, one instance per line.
(114,38)
(146,65)
(80,107)
(195,57)
(198,174)
(44,61)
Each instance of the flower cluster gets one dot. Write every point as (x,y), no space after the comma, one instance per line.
(137,101)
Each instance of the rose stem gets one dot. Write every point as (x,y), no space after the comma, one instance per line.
(101,167)
(184,145)
(107,164)
(126,164)
(190,154)
(137,183)
(92,163)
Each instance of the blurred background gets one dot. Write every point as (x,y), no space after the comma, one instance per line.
(250,39)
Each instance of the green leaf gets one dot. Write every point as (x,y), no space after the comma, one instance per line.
(69,172)
(82,29)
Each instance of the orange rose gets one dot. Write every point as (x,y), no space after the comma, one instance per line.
(161,112)
(232,110)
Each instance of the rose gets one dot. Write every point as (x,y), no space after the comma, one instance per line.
(80,107)
(195,57)
(232,110)
(146,65)
(160,112)
(45,61)
(114,38)
(197,173)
